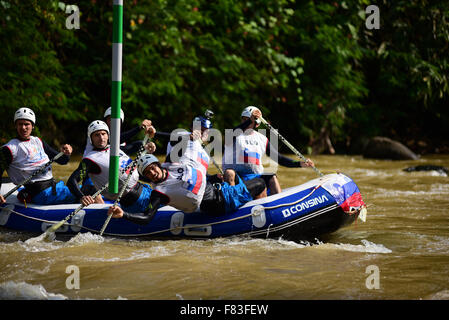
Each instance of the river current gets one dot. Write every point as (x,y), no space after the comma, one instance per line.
(400,252)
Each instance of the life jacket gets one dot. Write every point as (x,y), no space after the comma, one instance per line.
(184,185)
(27,157)
(102,158)
(245,155)
(186,180)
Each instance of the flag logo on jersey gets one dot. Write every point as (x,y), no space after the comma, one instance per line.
(194,183)
(202,158)
(251,157)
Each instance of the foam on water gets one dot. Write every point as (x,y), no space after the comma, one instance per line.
(366,246)
(25,291)
(358,172)
(12,290)
(39,244)
(441,295)
(152,252)
(435,189)
(85,238)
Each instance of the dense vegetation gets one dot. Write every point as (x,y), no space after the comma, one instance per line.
(315,69)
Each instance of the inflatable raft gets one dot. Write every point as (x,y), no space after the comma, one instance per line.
(303,212)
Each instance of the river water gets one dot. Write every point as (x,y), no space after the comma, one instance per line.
(400,252)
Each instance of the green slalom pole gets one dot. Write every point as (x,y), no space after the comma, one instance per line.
(117,39)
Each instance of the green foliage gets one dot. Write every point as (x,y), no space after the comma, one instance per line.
(406,64)
(312,66)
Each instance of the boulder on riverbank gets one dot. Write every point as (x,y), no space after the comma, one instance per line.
(386,148)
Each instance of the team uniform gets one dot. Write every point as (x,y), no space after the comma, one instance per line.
(21,158)
(101,176)
(244,154)
(188,188)
(137,197)
(185,181)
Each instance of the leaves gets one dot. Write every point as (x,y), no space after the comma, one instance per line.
(311,66)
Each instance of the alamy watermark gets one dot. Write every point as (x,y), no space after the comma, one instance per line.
(373,280)
(73,280)
(373,20)
(73,20)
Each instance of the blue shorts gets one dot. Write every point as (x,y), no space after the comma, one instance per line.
(61,196)
(249,176)
(142,203)
(235,196)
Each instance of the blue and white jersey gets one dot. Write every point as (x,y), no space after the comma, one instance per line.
(245,156)
(101,158)
(186,179)
(184,186)
(195,156)
(27,157)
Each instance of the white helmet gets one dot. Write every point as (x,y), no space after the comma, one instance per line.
(108,111)
(248,111)
(96,125)
(25,114)
(144,162)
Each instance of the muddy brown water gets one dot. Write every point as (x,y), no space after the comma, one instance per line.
(400,252)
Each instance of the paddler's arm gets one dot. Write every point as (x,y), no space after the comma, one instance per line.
(125,136)
(66,148)
(85,167)
(157,200)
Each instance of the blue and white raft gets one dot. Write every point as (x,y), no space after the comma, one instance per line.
(315,208)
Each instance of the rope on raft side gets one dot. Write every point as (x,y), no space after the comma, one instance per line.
(176,228)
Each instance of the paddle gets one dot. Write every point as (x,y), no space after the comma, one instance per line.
(211,158)
(35,173)
(216,165)
(288,144)
(56,226)
(142,151)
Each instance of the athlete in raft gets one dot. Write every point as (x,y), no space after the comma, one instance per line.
(95,164)
(137,198)
(185,184)
(244,153)
(25,154)
(126,147)
(129,148)
(203,123)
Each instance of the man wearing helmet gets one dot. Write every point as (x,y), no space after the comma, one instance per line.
(126,147)
(137,198)
(185,184)
(25,154)
(244,153)
(200,128)
(95,164)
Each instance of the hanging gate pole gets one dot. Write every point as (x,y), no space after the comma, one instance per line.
(117,39)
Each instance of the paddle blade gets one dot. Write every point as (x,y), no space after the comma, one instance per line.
(49,236)
(55,227)
(50,232)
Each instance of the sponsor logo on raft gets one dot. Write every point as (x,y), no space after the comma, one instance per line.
(304,205)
